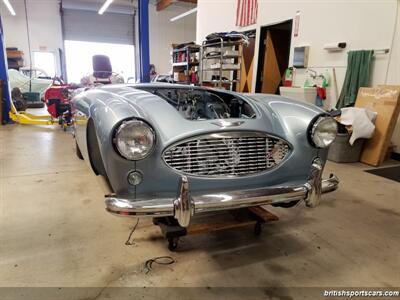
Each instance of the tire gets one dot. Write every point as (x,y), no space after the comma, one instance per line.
(94,151)
(78,151)
(20,105)
(35,105)
(95,159)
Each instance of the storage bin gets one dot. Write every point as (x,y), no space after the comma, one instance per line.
(342,152)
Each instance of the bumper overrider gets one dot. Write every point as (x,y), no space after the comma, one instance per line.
(184,206)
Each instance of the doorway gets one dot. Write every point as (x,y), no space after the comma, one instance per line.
(274,51)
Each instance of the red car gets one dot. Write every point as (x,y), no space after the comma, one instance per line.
(57,99)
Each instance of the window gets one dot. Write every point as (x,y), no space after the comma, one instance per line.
(79,59)
(44,61)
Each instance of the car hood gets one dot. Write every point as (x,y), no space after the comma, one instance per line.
(278,116)
(274,114)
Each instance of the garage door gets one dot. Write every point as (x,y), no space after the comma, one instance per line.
(111,27)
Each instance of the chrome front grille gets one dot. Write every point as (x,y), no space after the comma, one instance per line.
(226,154)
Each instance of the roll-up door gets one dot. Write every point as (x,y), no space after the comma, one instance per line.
(84,24)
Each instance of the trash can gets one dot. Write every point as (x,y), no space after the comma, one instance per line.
(342,152)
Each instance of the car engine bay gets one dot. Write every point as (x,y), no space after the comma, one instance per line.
(198,104)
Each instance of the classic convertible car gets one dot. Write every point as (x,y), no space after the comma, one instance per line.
(176,151)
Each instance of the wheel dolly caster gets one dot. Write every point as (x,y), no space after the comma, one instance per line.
(171,230)
(173,243)
(258,228)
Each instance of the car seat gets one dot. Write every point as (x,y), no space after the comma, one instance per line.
(101,66)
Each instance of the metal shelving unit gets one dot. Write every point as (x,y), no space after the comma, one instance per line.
(184,66)
(224,60)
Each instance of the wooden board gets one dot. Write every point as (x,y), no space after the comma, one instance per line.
(385,101)
(216,226)
(264,214)
(232,223)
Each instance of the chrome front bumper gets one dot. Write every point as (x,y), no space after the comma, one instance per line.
(184,206)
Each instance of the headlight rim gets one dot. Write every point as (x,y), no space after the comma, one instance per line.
(117,129)
(314,124)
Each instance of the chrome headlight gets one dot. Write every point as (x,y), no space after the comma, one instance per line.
(134,139)
(323,131)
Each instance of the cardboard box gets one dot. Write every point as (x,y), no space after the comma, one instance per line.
(15,54)
(384,100)
(180,76)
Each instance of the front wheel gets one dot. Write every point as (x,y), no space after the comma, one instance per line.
(78,151)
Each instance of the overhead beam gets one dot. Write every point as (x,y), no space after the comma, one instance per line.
(188,1)
(163,4)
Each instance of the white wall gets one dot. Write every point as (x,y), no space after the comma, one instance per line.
(393,76)
(163,33)
(44,26)
(363,24)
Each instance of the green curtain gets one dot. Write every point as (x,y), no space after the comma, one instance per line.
(357,75)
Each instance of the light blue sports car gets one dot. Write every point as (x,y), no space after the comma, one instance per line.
(173,150)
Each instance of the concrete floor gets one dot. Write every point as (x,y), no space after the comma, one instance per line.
(54,231)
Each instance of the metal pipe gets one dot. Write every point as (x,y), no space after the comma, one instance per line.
(382,51)
(144,53)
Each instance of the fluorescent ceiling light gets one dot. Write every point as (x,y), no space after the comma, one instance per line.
(105,6)
(189,12)
(10,8)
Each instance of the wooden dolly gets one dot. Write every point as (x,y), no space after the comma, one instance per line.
(254,216)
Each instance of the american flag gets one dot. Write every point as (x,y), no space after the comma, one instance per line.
(246,12)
